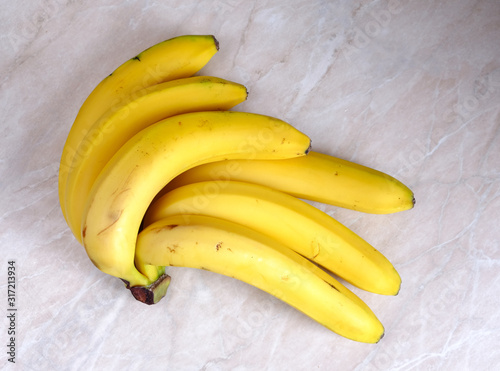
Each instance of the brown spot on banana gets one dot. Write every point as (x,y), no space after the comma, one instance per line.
(333,287)
(165,228)
(116,218)
(316,249)
(172,249)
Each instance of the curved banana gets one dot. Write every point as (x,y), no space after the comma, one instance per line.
(233,250)
(288,220)
(115,127)
(124,189)
(175,58)
(315,177)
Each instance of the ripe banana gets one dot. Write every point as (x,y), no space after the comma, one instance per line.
(175,58)
(120,123)
(288,220)
(315,177)
(124,189)
(236,251)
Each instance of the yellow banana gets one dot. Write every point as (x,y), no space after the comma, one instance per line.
(288,220)
(175,58)
(316,177)
(120,123)
(124,189)
(236,251)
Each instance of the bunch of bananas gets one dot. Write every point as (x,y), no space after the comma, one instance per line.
(158,171)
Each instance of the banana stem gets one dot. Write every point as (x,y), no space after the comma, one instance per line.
(153,293)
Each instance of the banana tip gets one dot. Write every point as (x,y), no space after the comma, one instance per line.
(380,338)
(397,292)
(216,42)
(309,148)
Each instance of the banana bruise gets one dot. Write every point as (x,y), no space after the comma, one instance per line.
(288,220)
(315,177)
(236,251)
(172,59)
(122,122)
(128,183)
